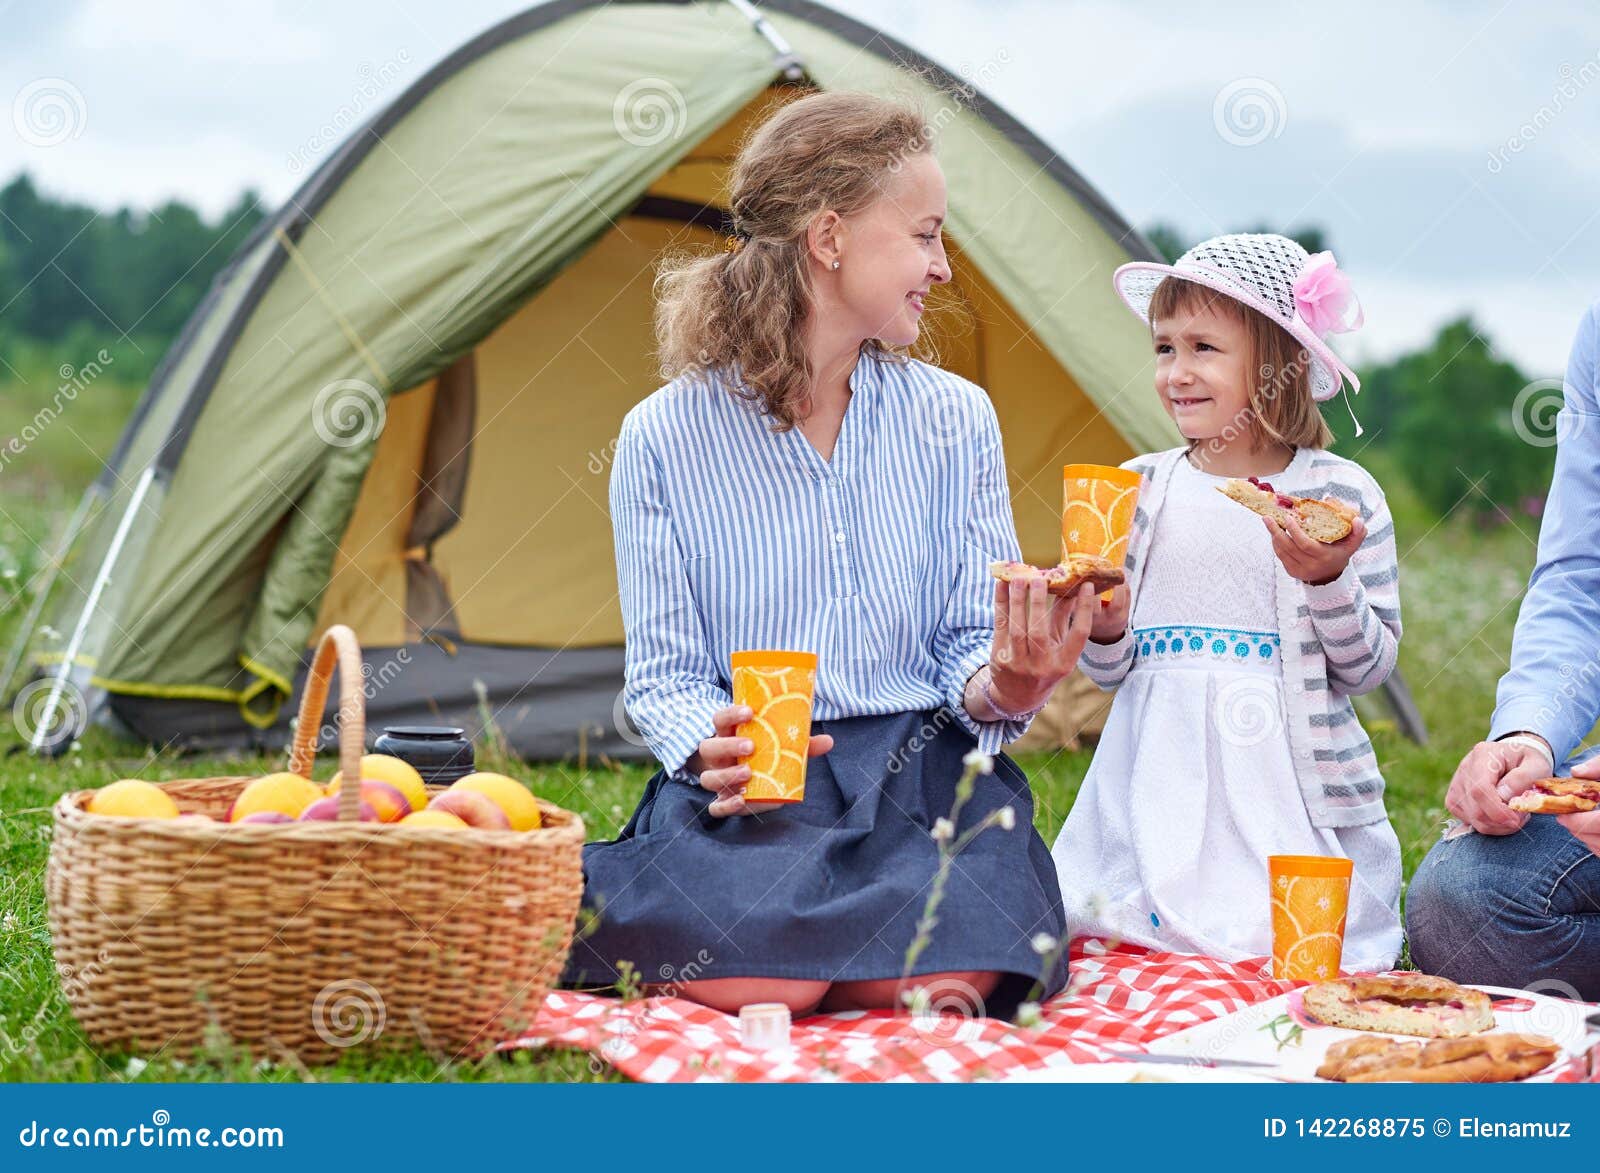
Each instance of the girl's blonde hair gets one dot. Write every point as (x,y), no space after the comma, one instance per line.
(1281,407)
(743,308)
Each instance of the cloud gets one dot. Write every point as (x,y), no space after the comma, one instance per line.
(1391,110)
(223,32)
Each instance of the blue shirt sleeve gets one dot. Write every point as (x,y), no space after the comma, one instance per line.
(1553,685)
(672,685)
(965,637)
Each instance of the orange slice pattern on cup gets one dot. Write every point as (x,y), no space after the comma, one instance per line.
(1097,510)
(1308,916)
(778,687)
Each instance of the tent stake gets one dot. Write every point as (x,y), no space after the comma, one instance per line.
(100,580)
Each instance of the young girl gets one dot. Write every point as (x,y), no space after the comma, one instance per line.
(1232,736)
(784,491)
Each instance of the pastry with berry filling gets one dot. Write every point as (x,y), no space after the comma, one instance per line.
(1324,521)
(1401,1004)
(1065,578)
(1558,796)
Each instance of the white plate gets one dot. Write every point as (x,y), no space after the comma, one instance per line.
(1242,1034)
(1136,1073)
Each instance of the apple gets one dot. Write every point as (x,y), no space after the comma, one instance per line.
(474,809)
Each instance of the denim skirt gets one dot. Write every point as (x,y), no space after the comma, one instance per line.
(831,888)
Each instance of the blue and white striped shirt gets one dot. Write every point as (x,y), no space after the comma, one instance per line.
(730,536)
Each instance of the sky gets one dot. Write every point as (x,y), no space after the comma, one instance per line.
(1448,150)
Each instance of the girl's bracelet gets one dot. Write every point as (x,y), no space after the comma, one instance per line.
(988,697)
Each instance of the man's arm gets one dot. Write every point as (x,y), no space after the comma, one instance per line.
(1552,688)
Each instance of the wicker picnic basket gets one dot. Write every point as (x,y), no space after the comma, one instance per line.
(308,937)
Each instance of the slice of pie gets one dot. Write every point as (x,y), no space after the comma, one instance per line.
(1558,796)
(1066,577)
(1401,1004)
(1490,1058)
(1324,521)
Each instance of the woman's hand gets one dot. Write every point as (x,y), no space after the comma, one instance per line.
(1038,638)
(1312,562)
(1111,617)
(716,762)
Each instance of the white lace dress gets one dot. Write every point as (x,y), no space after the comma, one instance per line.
(1192,786)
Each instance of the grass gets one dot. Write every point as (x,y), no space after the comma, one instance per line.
(1460,586)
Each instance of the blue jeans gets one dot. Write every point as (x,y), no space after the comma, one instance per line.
(1520,910)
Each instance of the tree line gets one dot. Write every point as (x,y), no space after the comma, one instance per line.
(1473,433)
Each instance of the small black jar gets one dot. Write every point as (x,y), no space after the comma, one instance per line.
(440,753)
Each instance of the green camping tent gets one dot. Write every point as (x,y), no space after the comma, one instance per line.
(395,408)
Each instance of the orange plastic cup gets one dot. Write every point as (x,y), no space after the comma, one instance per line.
(1097,510)
(778,687)
(1310,894)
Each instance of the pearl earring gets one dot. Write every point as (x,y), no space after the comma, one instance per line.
(835,264)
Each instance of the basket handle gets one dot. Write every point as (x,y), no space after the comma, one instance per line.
(338,641)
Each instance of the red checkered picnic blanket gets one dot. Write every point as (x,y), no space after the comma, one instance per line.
(1119,999)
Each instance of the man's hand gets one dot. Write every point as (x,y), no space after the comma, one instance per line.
(1585,827)
(1493,773)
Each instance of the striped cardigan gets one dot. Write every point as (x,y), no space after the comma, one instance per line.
(1338,640)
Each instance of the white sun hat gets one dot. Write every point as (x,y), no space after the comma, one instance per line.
(1307,295)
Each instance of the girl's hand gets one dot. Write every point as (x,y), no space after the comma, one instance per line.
(717,762)
(1312,562)
(1038,638)
(1110,616)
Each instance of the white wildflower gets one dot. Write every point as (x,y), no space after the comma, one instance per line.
(943,830)
(981,760)
(1007,818)
(1043,943)
(1028,1014)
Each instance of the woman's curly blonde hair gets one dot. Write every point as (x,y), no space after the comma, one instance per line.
(742,309)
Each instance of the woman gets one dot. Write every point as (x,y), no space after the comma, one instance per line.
(802,484)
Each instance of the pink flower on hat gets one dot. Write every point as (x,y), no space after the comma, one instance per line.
(1322,295)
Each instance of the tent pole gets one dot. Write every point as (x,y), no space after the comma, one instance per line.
(788,60)
(100,580)
(25,632)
